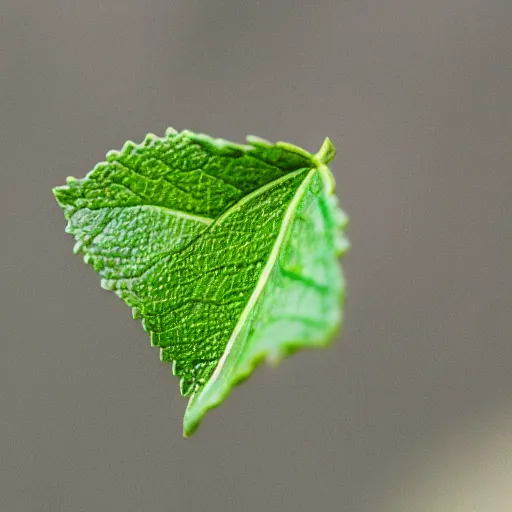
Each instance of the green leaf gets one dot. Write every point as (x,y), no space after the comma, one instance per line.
(227,252)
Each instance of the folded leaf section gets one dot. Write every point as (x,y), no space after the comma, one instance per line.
(297,302)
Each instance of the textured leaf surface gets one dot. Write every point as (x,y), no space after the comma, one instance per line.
(228,253)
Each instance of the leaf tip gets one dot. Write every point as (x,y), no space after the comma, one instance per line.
(327,152)
(189,429)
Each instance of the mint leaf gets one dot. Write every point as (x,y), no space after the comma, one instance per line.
(227,252)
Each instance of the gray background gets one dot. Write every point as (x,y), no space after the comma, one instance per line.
(411,409)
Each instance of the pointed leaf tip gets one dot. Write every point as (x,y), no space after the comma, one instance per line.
(327,152)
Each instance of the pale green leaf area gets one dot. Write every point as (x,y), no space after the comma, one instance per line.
(227,252)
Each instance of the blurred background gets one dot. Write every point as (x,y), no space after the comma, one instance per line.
(411,408)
